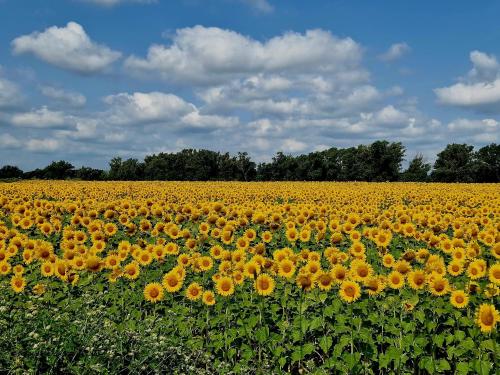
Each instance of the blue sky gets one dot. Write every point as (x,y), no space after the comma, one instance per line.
(86,80)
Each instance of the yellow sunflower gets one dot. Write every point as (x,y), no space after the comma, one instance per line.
(264,284)
(194,291)
(350,291)
(153,292)
(459,299)
(225,286)
(487,317)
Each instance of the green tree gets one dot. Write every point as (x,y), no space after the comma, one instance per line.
(487,164)
(454,164)
(59,170)
(10,171)
(417,171)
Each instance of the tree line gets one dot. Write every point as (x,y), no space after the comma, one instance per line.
(379,161)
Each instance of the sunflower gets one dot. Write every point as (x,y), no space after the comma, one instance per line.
(402,266)
(305,281)
(18,269)
(396,280)
(267,236)
(487,317)
(439,286)
(208,298)
(350,291)
(225,286)
(251,269)
(455,268)
(313,267)
(494,274)
(39,289)
(47,269)
(339,273)
(286,268)
(145,258)
(459,299)
(388,260)
(5,268)
(94,263)
(495,250)
(325,281)
(292,235)
(206,263)
(17,283)
(360,271)
(131,271)
(153,292)
(417,279)
(374,285)
(264,284)
(172,281)
(194,291)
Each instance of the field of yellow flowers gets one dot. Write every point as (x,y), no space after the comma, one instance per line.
(213,277)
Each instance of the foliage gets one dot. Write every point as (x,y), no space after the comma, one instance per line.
(83,270)
(379,161)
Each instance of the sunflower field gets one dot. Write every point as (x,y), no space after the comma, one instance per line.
(266,278)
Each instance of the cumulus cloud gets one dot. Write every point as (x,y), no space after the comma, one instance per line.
(146,107)
(68,48)
(70,98)
(165,110)
(43,145)
(479,89)
(39,118)
(8,141)
(485,67)
(210,55)
(9,93)
(111,3)
(292,145)
(261,5)
(395,52)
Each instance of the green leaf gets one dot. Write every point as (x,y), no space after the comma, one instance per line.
(488,345)
(462,368)
(351,359)
(482,367)
(308,348)
(438,340)
(325,343)
(315,323)
(329,311)
(443,365)
(262,334)
(282,362)
(420,316)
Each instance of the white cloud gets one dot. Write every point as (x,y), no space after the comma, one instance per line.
(7,141)
(111,3)
(391,116)
(395,51)
(293,145)
(196,120)
(479,89)
(146,107)
(43,145)
(208,55)
(9,93)
(470,95)
(71,98)
(67,47)
(39,118)
(260,5)
(474,125)
(485,67)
